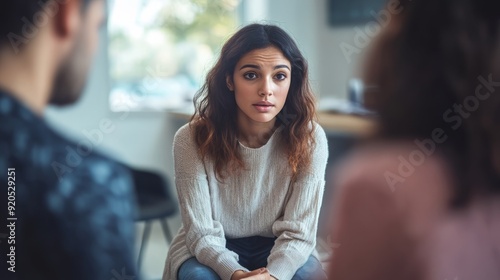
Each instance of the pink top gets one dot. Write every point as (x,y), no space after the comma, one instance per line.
(467,244)
(392,220)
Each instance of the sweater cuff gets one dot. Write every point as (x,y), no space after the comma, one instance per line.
(282,269)
(226,267)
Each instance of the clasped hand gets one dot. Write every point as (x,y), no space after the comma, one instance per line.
(258,274)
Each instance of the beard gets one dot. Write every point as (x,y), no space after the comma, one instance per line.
(72,74)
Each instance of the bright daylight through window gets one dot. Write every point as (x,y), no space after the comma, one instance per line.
(160,50)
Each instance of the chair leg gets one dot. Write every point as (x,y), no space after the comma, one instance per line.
(145,237)
(166,230)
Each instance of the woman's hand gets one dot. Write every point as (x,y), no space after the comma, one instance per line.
(258,274)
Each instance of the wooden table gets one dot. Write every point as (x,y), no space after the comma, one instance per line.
(351,124)
(331,122)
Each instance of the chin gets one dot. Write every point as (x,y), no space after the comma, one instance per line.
(66,93)
(64,100)
(69,85)
(264,119)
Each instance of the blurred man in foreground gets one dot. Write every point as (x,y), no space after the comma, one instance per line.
(68,209)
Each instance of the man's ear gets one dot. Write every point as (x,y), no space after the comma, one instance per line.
(229,83)
(67,19)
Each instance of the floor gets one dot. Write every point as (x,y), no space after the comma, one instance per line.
(156,251)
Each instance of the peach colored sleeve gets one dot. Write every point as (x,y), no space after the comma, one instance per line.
(370,234)
(373,225)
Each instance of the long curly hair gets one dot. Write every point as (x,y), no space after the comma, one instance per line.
(429,66)
(214,121)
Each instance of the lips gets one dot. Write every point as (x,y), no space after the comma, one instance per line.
(263,106)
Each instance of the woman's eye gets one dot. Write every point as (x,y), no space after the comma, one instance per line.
(250,76)
(280,76)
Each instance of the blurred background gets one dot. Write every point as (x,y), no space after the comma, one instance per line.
(154,55)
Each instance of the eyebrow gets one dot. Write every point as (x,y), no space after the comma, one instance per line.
(258,67)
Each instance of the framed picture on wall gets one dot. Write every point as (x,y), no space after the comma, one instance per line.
(353,12)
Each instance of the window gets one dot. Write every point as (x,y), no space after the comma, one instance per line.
(161,50)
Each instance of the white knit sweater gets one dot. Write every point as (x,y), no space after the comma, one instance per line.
(260,201)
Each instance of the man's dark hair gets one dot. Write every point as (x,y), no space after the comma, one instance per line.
(23,14)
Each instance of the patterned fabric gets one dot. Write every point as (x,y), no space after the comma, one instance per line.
(74,207)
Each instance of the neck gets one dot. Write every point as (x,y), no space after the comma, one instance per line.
(26,76)
(254,134)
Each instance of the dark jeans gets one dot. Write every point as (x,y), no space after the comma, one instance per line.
(253,252)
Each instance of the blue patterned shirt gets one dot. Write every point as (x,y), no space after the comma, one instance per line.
(74,207)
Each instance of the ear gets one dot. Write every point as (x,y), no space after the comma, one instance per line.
(229,83)
(67,19)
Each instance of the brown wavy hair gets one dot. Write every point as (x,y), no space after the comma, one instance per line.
(430,59)
(214,121)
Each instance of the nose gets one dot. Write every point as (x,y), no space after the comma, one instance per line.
(266,88)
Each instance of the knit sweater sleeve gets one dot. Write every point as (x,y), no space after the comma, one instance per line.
(204,236)
(296,230)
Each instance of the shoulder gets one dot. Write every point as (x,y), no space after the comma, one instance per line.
(92,180)
(184,145)
(96,193)
(319,134)
(318,131)
(72,186)
(402,160)
(184,136)
(396,174)
(184,133)
(319,147)
(50,159)
(82,163)
(59,169)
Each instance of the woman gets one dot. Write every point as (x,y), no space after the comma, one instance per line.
(423,201)
(250,166)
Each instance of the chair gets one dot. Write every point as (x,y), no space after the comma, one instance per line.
(340,144)
(154,202)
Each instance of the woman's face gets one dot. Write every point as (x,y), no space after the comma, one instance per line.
(260,82)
